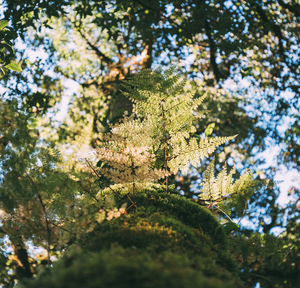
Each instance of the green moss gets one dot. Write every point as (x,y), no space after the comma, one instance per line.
(157,232)
(180,208)
(164,240)
(122,268)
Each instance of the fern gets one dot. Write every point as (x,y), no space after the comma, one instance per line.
(125,160)
(217,189)
(158,139)
(193,151)
(165,104)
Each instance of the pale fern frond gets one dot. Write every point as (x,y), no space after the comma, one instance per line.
(219,189)
(192,152)
(208,185)
(163,120)
(224,182)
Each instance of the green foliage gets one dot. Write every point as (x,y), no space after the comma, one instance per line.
(272,261)
(7,54)
(165,103)
(14,65)
(99,43)
(211,31)
(38,199)
(209,129)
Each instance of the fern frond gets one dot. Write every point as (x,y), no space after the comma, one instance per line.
(192,152)
(219,189)
(164,108)
(208,186)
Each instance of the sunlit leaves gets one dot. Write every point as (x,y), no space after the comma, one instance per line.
(14,65)
(217,189)
(157,140)
(209,129)
(7,54)
(3,23)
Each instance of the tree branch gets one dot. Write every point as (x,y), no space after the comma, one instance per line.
(23,269)
(98,52)
(275,28)
(295,9)
(213,51)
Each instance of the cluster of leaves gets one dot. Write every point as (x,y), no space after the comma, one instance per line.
(130,165)
(269,260)
(39,200)
(7,54)
(226,31)
(164,102)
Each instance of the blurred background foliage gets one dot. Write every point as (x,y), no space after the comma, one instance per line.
(75,54)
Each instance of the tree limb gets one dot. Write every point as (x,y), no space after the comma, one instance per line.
(295,9)
(275,28)
(213,51)
(23,269)
(98,52)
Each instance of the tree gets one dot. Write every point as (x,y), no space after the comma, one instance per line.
(35,192)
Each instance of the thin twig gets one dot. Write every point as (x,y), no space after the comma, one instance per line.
(87,191)
(132,202)
(93,169)
(98,52)
(60,227)
(243,214)
(224,213)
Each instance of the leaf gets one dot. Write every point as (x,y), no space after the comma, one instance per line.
(14,65)
(209,129)
(100,164)
(7,47)
(3,23)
